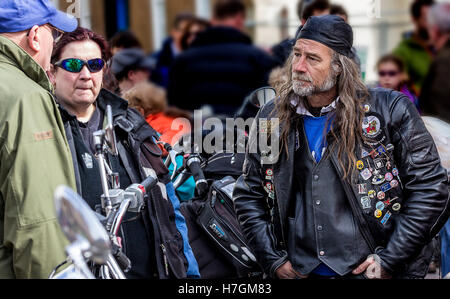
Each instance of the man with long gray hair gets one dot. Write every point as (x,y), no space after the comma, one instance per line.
(358,190)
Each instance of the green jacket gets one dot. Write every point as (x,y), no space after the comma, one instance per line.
(34,159)
(417,60)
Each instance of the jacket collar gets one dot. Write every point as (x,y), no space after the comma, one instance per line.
(14,55)
(301,109)
(118,105)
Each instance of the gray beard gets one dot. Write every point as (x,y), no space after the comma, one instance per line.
(309,90)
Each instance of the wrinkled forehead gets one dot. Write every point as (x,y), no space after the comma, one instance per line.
(310,46)
(85,50)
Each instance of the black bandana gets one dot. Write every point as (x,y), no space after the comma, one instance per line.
(330,30)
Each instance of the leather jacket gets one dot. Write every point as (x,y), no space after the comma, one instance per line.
(422,194)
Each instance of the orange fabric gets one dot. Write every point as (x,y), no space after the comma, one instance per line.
(163,125)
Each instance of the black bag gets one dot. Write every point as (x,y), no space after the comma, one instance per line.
(221,165)
(218,229)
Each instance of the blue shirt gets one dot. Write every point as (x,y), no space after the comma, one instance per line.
(316,134)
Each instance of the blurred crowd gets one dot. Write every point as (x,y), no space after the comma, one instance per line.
(213,65)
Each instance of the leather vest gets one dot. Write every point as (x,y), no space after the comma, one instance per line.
(323,229)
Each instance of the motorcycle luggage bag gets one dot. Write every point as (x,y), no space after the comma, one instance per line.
(218,219)
(221,165)
(211,262)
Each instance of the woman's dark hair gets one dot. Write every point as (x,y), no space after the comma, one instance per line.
(336,9)
(180,18)
(401,67)
(394,59)
(80,34)
(187,30)
(416,7)
(125,40)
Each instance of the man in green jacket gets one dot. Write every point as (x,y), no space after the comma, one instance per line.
(415,51)
(34,154)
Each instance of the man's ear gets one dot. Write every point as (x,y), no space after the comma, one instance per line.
(34,39)
(130,75)
(336,68)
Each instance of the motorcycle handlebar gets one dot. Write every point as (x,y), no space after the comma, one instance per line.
(194,165)
(149,182)
(123,261)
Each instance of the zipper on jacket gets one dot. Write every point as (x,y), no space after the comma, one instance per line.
(356,210)
(166,263)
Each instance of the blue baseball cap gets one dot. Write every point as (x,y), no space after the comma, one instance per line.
(20,15)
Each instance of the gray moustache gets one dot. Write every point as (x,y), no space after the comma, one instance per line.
(302,77)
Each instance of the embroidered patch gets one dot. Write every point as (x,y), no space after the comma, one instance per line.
(88,161)
(371,126)
(41,136)
(373,129)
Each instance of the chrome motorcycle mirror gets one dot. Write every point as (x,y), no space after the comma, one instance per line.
(78,222)
(262,96)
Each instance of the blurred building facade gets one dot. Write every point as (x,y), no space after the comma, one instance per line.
(378,24)
(150,20)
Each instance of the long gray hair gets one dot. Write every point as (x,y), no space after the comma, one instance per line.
(347,123)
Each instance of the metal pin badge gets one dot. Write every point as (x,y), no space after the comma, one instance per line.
(360,165)
(378,214)
(396,207)
(366,202)
(394,184)
(366,174)
(380,206)
(389,176)
(381,195)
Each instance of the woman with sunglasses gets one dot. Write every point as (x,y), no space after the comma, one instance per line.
(78,65)
(392,75)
